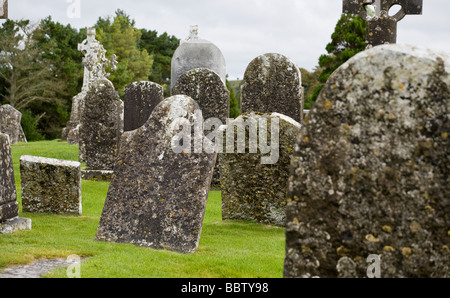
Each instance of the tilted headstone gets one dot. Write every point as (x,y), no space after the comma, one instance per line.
(157,197)
(101,126)
(382,27)
(140,100)
(10,124)
(50,185)
(210,92)
(197,53)
(9,208)
(272,84)
(95,64)
(370,172)
(252,188)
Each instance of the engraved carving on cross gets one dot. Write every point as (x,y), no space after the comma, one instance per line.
(94,61)
(3,9)
(382,28)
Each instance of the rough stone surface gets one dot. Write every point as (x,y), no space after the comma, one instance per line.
(157,198)
(15,224)
(36,269)
(197,53)
(207,88)
(370,173)
(8,199)
(50,185)
(140,100)
(71,132)
(10,124)
(96,175)
(252,190)
(272,84)
(101,126)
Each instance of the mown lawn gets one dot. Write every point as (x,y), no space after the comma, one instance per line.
(228,249)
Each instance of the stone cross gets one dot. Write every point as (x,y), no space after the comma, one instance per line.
(382,28)
(94,61)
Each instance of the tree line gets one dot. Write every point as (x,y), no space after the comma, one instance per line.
(41,68)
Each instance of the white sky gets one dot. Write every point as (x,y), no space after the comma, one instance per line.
(243,29)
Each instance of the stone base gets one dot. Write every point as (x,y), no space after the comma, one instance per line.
(15,224)
(97,175)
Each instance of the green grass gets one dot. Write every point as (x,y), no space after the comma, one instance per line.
(227,249)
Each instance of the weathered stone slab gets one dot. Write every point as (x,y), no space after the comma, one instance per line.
(254,189)
(209,91)
(10,124)
(141,98)
(196,52)
(8,200)
(9,208)
(50,185)
(97,175)
(101,126)
(370,173)
(157,197)
(71,132)
(272,84)
(207,88)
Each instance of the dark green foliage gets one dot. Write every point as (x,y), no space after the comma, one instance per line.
(234,105)
(29,125)
(348,39)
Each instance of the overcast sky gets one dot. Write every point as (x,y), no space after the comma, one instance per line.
(242,29)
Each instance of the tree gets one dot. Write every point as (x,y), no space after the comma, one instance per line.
(119,37)
(348,39)
(28,75)
(162,48)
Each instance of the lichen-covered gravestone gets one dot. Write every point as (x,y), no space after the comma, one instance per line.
(253,188)
(370,173)
(272,84)
(157,196)
(101,126)
(9,208)
(10,124)
(209,91)
(140,100)
(50,185)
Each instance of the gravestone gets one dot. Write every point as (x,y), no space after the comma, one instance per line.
(95,64)
(370,170)
(10,124)
(157,197)
(9,208)
(382,27)
(50,185)
(272,84)
(208,90)
(140,100)
(254,189)
(197,53)
(101,126)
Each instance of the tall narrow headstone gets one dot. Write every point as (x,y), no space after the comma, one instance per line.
(382,27)
(371,168)
(157,196)
(10,124)
(196,52)
(101,126)
(9,208)
(95,64)
(141,98)
(272,84)
(252,188)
